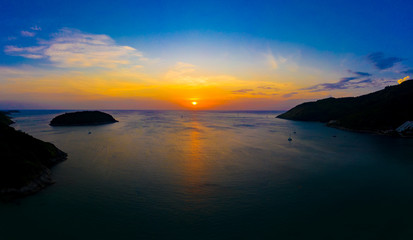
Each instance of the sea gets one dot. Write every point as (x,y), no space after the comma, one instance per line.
(215,175)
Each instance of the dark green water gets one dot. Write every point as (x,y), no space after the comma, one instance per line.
(215,175)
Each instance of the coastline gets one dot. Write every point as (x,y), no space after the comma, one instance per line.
(390,133)
(26,162)
(37,184)
(80,124)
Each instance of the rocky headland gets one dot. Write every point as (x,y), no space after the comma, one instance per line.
(25,161)
(382,112)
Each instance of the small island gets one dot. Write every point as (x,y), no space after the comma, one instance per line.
(388,111)
(25,161)
(84,118)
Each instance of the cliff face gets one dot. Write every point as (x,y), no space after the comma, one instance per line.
(82,118)
(383,110)
(24,161)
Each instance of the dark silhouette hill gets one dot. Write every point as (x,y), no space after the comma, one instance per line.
(82,118)
(4,119)
(381,111)
(24,161)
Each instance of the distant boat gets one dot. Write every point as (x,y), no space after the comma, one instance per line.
(90,132)
(290,139)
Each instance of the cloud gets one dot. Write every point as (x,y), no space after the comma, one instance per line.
(72,48)
(368,80)
(289,94)
(27,52)
(273,61)
(381,62)
(403,79)
(360,74)
(27,34)
(242,91)
(36,28)
(268,87)
(259,94)
(408,71)
(344,83)
(184,73)
(347,79)
(184,66)
(256,92)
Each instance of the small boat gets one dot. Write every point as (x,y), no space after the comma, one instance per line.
(290,139)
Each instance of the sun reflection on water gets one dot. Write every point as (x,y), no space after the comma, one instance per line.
(194,167)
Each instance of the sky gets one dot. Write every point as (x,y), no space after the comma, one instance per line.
(224,55)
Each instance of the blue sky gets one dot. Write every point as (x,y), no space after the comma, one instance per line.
(305,49)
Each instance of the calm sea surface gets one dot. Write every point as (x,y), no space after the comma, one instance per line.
(215,175)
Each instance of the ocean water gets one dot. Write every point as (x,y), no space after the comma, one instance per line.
(215,175)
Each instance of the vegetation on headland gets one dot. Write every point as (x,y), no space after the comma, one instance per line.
(382,111)
(4,119)
(24,161)
(82,118)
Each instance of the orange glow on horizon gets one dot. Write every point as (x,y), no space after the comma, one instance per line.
(121,90)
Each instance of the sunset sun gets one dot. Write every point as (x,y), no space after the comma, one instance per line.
(194,103)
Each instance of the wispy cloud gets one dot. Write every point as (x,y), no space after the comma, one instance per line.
(381,62)
(27,52)
(344,83)
(288,95)
(360,80)
(184,73)
(27,34)
(408,71)
(273,61)
(268,87)
(360,74)
(263,90)
(72,48)
(36,28)
(243,91)
(260,94)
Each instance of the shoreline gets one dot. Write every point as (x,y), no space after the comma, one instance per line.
(389,133)
(79,125)
(23,152)
(37,184)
